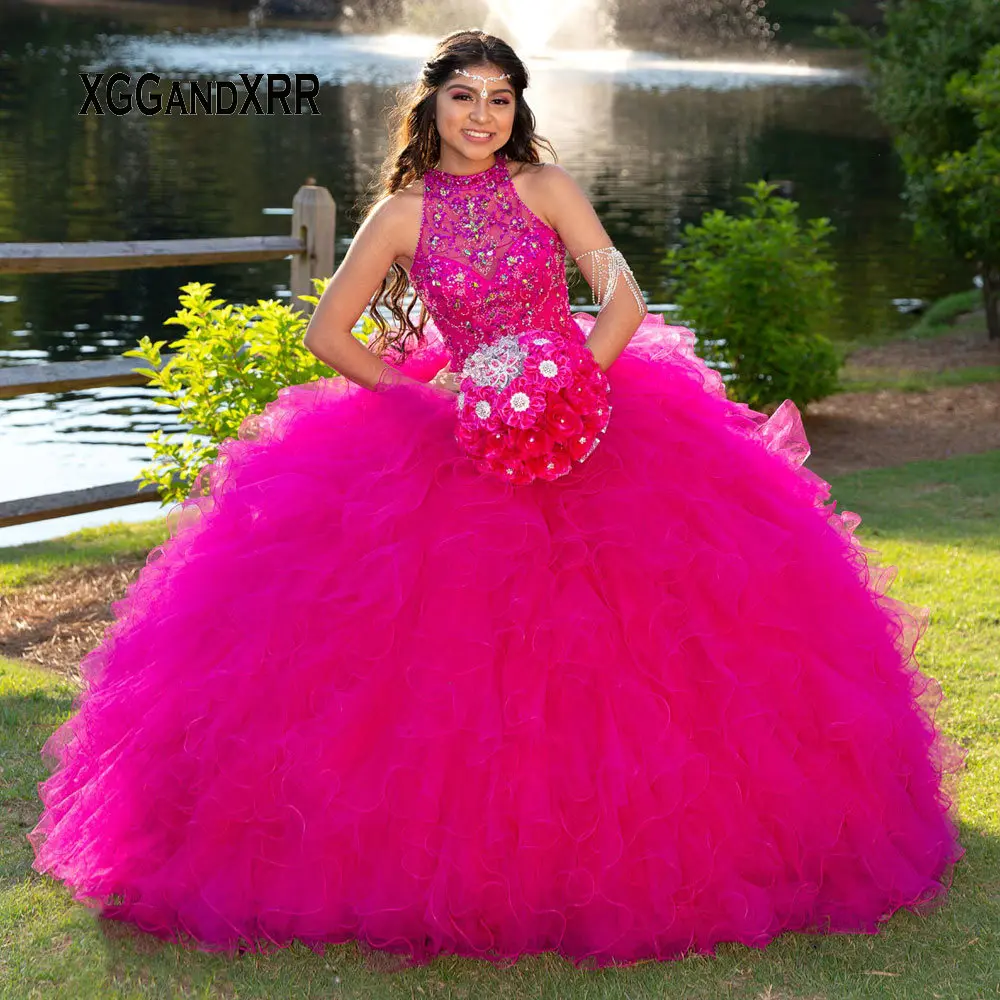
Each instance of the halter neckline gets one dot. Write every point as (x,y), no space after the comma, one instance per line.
(499,160)
(485,264)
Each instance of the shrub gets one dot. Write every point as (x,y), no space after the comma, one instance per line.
(758,289)
(230,363)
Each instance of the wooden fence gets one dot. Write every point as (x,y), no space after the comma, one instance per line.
(310,246)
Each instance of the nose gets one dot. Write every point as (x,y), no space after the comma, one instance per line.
(481,111)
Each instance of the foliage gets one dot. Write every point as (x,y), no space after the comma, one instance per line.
(759,290)
(230,363)
(936,76)
(969,179)
(942,314)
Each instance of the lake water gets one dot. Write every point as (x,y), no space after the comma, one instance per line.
(654,140)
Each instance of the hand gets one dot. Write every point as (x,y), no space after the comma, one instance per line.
(446,380)
(600,363)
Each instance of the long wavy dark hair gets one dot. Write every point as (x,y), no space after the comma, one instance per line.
(415,148)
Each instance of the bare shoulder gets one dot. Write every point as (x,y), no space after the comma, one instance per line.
(550,187)
(396,218)
(543,176)
(543,187)
(396,208)
(552,193)
(529,173)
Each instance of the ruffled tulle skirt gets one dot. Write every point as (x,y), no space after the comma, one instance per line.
(366,692)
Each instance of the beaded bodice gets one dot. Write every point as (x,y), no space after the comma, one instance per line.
(485,264)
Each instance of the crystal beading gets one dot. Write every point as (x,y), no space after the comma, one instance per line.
(495,365)
(485,264)
(609,266)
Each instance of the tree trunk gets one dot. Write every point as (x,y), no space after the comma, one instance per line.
(991,298)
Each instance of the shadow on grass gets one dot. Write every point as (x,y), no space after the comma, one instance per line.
(948,501)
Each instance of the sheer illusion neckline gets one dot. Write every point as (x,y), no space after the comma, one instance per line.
(498,164)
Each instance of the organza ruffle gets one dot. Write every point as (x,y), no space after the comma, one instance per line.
(367,693)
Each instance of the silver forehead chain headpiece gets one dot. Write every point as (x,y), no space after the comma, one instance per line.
(485,79)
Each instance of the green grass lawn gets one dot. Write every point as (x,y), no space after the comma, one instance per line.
(25,563)
(920,381)
(938,521)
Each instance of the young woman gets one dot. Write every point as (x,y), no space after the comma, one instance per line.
(368,692)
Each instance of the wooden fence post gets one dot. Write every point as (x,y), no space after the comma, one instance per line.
(314,215)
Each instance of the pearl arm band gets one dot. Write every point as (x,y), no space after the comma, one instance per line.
(609,265)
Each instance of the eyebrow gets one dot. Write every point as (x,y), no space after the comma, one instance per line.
(478,90)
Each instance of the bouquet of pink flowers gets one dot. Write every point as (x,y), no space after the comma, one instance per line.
(530,405)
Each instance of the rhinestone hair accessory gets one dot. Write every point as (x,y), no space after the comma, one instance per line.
(485,79)
(609,265)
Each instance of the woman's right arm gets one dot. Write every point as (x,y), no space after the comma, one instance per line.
(365,265)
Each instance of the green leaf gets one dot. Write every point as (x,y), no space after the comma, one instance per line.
(230,362)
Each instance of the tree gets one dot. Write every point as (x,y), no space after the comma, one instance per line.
(935,84)
(969,181)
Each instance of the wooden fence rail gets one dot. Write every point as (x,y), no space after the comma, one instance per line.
(66,376)
(74,502)
(49,258)
(310,245)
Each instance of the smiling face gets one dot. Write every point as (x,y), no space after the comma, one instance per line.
(472,127)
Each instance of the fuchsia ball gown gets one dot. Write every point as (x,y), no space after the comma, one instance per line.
(365,692)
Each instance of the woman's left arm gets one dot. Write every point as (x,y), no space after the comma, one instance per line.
(606,270)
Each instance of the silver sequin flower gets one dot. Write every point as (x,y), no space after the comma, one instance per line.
(496,364)
(483,409)
(548,368)
(520,401)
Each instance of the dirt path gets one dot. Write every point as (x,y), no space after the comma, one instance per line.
(56,622)
(964,346)
(867,430)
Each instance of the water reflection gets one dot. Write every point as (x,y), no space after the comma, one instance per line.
(395,59)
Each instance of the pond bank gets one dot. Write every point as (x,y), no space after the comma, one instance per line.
(931,393)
